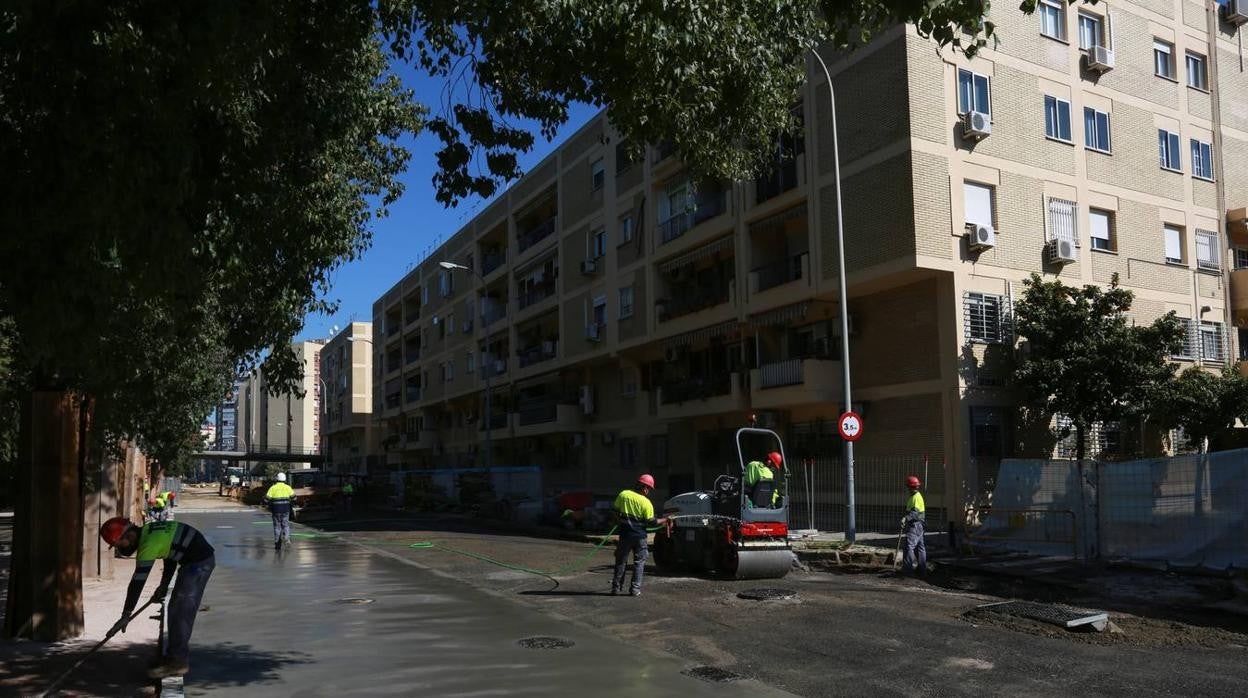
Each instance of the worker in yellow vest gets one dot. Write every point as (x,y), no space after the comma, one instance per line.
(634,514)
(348,495)
(281,501)
(184,550)
(914,523)
(757,472)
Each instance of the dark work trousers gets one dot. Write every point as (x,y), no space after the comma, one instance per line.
(916,548)
(281,527)
(188,592)
(639,549)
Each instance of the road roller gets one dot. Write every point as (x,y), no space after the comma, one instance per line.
(734,530)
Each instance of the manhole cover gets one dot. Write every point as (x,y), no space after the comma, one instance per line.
(711,673)
(767,594)
(1061,616)
(545,643)
(354,601)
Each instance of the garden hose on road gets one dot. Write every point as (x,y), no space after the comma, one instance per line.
(52,689)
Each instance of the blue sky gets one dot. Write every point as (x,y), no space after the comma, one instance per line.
(416,221)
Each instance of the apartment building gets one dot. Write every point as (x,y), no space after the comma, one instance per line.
(284,422)
(347,379)
(629,316)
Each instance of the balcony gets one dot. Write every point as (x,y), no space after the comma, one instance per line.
(418,440)
(491,261)
(683,301)
(536,294)
(701,395)
(778,273)
(493,314)
(393,400)
(782,179)
(537,353)
(536,234)
(710,204)
(411,394)
(1239,297)
(663,151)
(411,354)
(796,381)
(492,368)
(394,361)
(547,417)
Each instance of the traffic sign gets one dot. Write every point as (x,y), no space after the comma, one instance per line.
(850,426)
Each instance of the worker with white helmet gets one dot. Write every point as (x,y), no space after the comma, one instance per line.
(280,499)
(634,514)
(914,523)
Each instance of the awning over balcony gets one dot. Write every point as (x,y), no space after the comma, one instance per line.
(724,243)
(777,221)
(723,329)
(781,316)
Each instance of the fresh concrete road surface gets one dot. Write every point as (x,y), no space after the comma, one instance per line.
(275,625)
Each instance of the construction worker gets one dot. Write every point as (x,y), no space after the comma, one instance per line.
(914,523)
(634,514)
(184,550)
(757,471)
(280,499)
(159,507)
(348,494)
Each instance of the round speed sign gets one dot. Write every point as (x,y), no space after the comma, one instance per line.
(850,426)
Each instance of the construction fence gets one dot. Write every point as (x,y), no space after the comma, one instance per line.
(817,493)
(1181,511)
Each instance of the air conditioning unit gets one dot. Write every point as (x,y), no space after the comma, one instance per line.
(980,236)
(1235,12)
(608,438)
(589,266)
(1062,252)
(1100,59)
(976,125)
(593,333)
(586,399)
(548,348)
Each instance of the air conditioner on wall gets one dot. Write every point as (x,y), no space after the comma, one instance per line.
(980,236)
(1062,251)
(976,125)
(1235,12)
(586,399)
(1100,59)
(589,266)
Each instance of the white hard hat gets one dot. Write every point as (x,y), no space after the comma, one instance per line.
(281,477)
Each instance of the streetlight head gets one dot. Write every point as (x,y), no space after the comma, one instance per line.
(452,266)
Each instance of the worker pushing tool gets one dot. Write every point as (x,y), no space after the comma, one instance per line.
(634,514)
(185,551)
(280,499)
(914,523)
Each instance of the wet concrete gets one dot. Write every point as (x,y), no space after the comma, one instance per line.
(422,633)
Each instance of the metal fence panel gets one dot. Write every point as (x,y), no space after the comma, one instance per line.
(817,493)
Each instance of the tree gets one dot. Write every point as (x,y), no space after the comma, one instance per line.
(1084,359)
(1202,403)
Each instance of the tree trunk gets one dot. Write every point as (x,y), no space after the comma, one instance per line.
(45,580)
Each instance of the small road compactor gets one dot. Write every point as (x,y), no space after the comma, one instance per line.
(737,529)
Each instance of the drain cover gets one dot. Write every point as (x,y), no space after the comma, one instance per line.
(711,673)
(1061,616)
(767,594)
(354,601)
(545,643)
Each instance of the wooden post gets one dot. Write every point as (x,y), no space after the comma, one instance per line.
(45,582)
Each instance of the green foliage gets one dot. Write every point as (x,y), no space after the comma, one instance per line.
(1083,357)
(1203,403)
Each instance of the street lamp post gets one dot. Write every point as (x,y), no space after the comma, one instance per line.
(488,370)
(850,522)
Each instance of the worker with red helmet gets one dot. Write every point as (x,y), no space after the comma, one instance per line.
(634,514)
(763,471)
(914,523)
(184,550)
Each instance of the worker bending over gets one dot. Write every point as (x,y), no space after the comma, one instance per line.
(159,508)
(914,523)
(184,550)
(634,514)
(757,472)
(280,500)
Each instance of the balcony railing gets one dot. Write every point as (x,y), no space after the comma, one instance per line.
(781,180)
(536,294)
(696,388)
(497,421)
(781,272)
(493,367)
(539,412)
(492,261)
(782,373)
(709,206)
(536,354)
(489,316)
(412,354)
(411,316)
(536,234)
(412,394)
(684,301)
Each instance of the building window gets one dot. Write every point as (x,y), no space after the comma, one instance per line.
(446,283)
(978,203)
(1174,244)
(1163,59)
(973,92)
(1212,345)
(1052,18)
(1241,257)
(598,243)
(597,174)
(626,229)
(1091,31)
(626,302)
(598,315)
(1062,220)
(628,382)
(628,452)
(984,315)
(622,159)
(450,323)
(1197,71)
(1207,255)
(1168,150)
(1057,118)
(424,295)
(1202,160)
(1102,225)
(1096,130)
(470,363)
(1243,343)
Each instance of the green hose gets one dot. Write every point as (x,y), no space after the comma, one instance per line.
(549,574)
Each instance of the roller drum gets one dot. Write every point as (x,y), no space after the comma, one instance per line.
(759,564)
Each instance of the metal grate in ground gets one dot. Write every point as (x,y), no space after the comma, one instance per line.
(1055,614)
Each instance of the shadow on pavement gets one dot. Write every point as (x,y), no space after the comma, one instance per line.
(29,667)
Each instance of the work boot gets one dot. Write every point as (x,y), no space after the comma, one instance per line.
(615,591)
(635,592)
(172,667)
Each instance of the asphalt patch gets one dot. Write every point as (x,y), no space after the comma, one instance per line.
(712,673)
(767,594)
(545,643)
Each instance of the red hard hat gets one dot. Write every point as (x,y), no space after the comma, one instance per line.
(646,480)
(775,459)
(113,529)
(912,481)
(173,495)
